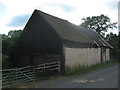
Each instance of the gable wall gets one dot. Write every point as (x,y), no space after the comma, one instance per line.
(39,37)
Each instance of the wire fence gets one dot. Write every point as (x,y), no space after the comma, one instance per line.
(17,76)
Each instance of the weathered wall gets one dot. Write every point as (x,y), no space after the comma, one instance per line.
(25,61)
(93,56)
(107,54)
(81,56)
(103,54)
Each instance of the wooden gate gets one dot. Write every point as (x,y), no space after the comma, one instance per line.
(13,77)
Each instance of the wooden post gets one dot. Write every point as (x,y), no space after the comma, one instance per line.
(44,67)
(16,75)
(63,61)
(101,54)
(58,66)
(34,72)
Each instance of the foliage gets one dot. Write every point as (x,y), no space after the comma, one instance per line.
(113,40)
(5,61)
(100,24)
(8,42)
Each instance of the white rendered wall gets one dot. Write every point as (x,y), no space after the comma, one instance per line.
(107,54)
(81,56)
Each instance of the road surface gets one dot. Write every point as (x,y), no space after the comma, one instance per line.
(104,78)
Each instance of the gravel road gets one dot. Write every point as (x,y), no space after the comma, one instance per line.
(104,78)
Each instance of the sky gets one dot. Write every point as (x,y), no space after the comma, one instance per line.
(14,14)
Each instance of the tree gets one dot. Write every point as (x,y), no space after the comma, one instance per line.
(8,42)
(113,40)
(100,24)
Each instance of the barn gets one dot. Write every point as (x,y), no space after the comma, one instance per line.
(47,38)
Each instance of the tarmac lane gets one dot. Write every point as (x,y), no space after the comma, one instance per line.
(104,78)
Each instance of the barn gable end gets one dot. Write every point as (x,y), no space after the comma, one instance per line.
(38,40)
(39,35)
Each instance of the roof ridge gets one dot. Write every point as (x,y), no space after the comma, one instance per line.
(39,11)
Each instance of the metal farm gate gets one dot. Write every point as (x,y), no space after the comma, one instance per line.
(14,77)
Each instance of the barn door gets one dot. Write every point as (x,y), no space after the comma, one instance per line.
(101,60)
(103,54)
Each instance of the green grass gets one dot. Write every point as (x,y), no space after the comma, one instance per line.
(84,69)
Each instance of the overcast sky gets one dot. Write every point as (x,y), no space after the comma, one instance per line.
(15,13)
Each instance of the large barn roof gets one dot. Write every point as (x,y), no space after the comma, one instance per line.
(66,30)
(71,32)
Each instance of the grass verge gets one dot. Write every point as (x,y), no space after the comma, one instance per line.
(83,69)
(72,71)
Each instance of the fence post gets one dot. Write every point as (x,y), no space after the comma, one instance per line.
(34,72)
(58,66)
(16,75)
(44,67)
